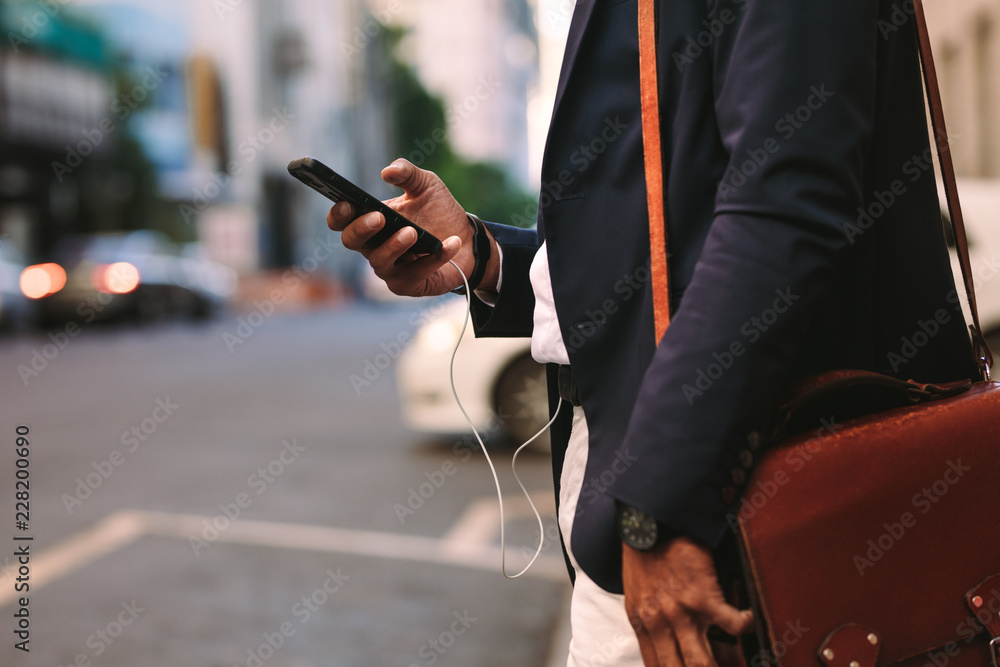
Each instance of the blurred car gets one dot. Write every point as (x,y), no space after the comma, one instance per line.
(16,310)
(133,275)
(502,388)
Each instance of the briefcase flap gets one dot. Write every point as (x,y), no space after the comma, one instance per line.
(885,522)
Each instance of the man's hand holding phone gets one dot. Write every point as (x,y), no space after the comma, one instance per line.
(428,203)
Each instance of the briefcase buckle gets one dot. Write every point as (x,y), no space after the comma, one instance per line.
(995,651)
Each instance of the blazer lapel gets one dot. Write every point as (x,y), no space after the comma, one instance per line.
(577,27)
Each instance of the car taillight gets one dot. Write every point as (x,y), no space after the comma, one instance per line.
(117,278)
(42,280)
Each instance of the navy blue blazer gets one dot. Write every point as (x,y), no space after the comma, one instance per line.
(803,229)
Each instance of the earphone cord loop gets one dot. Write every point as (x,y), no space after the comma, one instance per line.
(513,463)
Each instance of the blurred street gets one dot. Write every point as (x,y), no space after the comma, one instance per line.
(196,502)
(209,446)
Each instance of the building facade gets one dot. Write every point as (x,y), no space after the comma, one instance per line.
(966,43)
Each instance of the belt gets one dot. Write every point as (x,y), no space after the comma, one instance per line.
(567,387)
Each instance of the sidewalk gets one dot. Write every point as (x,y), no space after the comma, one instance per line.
(290,292)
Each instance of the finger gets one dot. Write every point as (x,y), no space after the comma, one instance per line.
(692,642)
(662,627)
(417,277)
(356,235)
(406,175)
(732,620)
(341,214)
(392,249)
(647,649)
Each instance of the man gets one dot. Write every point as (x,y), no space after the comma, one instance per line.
(804,236)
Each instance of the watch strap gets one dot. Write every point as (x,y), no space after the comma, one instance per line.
(482,251)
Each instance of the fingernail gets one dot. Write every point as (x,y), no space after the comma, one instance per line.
(452,243)
(393,176)
(343,209)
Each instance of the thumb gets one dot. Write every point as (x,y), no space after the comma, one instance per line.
(404,174)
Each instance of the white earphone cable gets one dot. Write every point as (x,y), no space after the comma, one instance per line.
(513,463)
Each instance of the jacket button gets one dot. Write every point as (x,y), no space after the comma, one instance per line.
(729,495)
(746,458)
(753,441)
(739,477)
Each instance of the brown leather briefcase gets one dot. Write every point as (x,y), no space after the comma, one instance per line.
(875,541)
(872,537)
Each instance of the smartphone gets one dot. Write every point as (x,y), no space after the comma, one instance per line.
(335,187)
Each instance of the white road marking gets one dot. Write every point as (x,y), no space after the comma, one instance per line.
(124,527)
(107,536)
(341,540)
(479,526)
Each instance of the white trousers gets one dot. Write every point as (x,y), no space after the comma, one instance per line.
(601,633)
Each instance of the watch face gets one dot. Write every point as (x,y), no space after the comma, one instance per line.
(637,529)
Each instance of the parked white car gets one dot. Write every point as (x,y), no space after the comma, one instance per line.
(502,388)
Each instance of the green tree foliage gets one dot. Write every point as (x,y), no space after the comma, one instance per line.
(420,133)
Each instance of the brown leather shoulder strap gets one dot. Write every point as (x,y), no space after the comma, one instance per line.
(660,278)
(983,356)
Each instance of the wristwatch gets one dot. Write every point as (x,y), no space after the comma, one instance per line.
(637,529)
(482,249)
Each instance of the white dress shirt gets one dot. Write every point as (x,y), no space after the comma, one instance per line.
(547,344)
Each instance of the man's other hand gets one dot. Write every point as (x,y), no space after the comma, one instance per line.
(427,202)
(672,597)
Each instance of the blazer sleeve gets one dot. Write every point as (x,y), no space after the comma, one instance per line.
(512,314)
(791,187)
